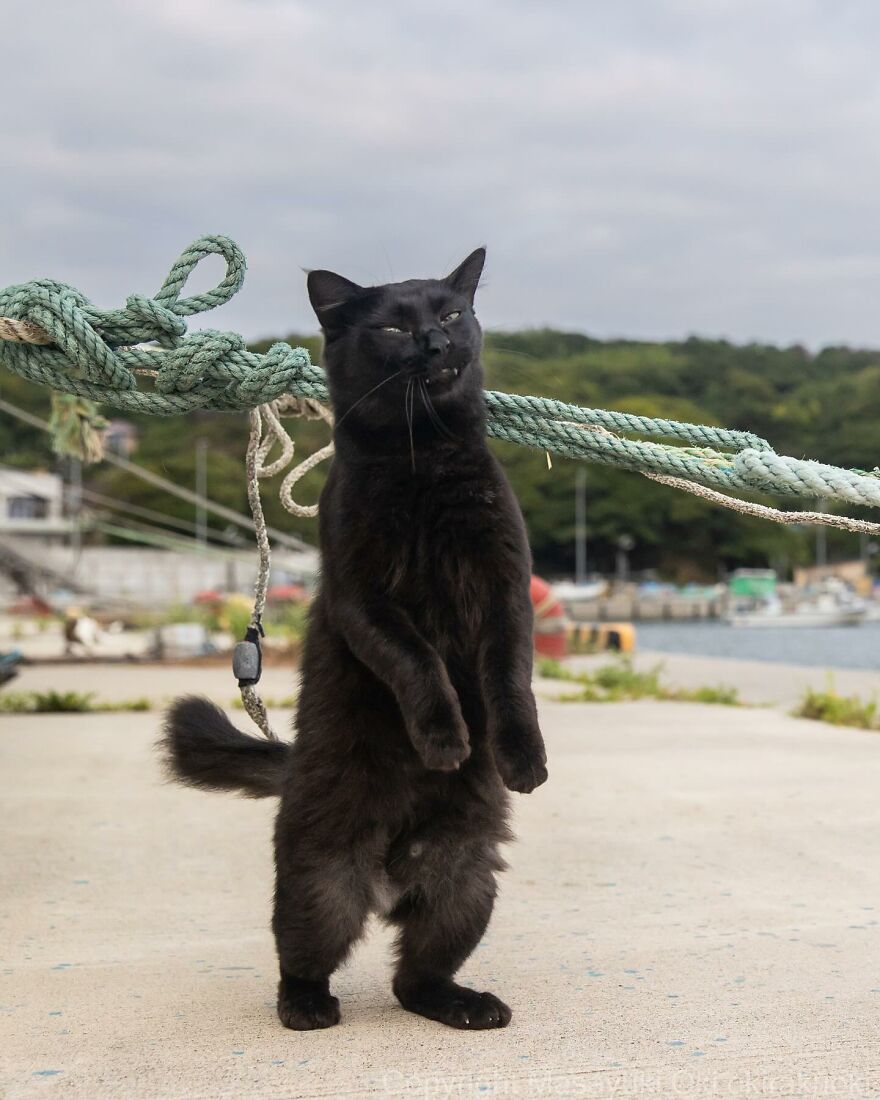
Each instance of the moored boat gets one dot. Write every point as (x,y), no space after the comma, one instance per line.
(800,616)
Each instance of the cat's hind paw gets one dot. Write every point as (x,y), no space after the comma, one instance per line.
(455,1005)
(306,1009)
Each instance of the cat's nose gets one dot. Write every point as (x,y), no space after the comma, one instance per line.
(434,342)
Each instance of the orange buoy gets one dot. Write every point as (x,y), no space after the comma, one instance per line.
(551,623)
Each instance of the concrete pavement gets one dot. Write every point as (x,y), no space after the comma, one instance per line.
(692,909)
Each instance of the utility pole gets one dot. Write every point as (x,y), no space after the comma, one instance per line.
(625,543)
(201,491)
(580,525)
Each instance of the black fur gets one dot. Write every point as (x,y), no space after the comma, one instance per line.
(416,709)
(203,749)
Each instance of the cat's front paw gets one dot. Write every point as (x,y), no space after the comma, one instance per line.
(522,763)
(443,749)
(441,737)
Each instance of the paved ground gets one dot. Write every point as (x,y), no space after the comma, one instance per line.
(692,910)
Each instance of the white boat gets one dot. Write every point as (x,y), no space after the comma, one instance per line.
(823,610)
(571,592)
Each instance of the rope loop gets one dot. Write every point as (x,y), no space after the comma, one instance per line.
(90,338)
(186,263)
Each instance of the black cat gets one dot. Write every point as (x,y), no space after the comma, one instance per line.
(416,709)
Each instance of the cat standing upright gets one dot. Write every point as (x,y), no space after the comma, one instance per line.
(416,709)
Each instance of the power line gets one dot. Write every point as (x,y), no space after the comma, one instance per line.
(155,536)
(290,541)
(117,505)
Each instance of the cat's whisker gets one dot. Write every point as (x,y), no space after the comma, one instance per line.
(378,386)
(408,402)
(433,415)
(512,351)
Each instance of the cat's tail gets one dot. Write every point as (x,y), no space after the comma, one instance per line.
(202,748)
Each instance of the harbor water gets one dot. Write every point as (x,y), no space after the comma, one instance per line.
(826,647)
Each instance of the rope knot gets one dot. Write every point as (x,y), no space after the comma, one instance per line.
(162,323)
(71,321)
(279,371)
(196,359)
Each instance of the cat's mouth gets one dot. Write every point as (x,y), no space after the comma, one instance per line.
(443,378)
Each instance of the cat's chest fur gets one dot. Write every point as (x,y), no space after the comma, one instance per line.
(436,547)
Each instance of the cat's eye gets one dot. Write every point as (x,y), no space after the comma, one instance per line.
(391,328)
(451,317)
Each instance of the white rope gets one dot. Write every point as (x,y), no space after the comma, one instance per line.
(260,446)
(775,515)
(310,410)
(250,697)
(22,332)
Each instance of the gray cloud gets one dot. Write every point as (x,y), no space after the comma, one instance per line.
(653,168)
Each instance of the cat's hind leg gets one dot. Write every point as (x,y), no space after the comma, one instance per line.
(321,907)
(441,922)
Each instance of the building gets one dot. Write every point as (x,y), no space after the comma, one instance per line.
(32,505)
(855,573)
(44,551)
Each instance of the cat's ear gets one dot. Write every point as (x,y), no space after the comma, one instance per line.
(467,275)
(328,292)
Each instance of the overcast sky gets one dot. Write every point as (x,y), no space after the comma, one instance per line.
(638,168)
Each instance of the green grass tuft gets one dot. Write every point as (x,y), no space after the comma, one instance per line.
(63,702)
(46,702)
(551,669)
(621,681)
(721,695)
(838,710)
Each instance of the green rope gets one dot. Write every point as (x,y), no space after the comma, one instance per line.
(90,355)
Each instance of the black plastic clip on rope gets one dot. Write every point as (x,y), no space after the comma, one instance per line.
(247,657)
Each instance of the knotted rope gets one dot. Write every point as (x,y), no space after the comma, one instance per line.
(51,334)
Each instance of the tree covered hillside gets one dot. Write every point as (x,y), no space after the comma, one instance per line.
(824,406)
